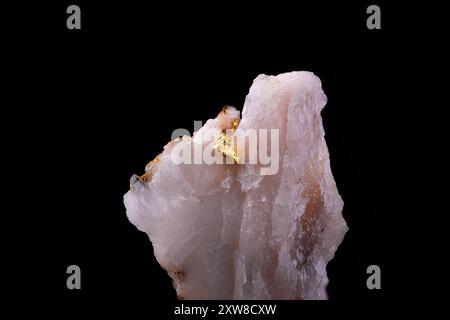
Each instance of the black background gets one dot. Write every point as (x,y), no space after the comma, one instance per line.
(85,109)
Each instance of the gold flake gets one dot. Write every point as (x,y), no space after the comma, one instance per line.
(223,144)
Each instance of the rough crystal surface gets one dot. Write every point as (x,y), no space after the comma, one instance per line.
(225,231)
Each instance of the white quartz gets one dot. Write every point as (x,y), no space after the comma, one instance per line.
(225,231)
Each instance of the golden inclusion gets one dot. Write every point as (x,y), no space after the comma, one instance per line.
(222,143)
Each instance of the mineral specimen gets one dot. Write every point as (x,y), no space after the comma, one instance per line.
(254,227)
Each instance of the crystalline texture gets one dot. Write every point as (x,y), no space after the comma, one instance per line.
(225,231)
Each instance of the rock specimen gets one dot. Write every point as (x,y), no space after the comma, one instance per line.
(246,228)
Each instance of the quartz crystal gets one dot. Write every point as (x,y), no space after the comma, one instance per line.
(228,231)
